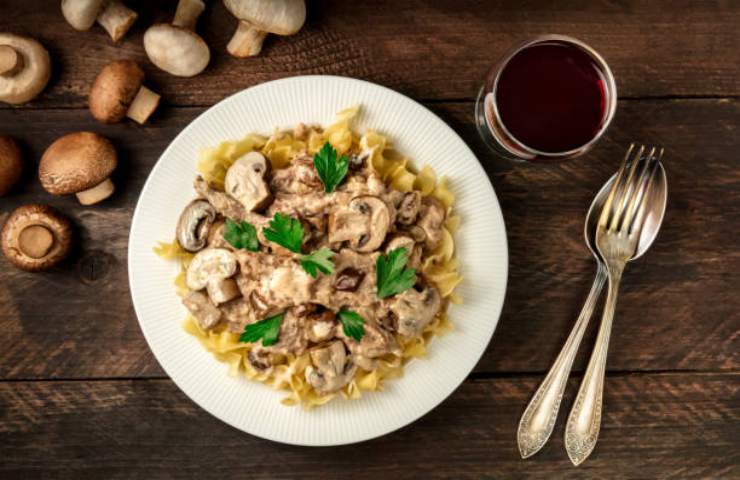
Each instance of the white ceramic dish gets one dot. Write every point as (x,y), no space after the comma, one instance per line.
(251,406)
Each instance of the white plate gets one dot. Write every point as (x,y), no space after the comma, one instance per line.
(251,406)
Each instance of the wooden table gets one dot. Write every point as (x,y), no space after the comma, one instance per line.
(81,395)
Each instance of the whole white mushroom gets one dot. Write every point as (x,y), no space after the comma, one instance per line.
(24,68)
(257,18)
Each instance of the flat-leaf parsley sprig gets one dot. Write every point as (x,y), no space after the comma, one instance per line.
(288,232)
(391,274)
(330,169)
(267,330)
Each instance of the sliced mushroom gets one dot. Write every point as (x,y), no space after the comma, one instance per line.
(36,237)
(113,16)
(375,343)
(24,68)
(348,280)
(194,224)
(11,163)
(202,309)
(408,210)
(246,181)
(415,308)
(363,223)
(331,368)
(118,92)
(321,326)
(212,269)
(176,48)
(405,240)
(260,359)
(431,220)
(257,18)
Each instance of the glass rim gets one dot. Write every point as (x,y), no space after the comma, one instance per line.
(611,89)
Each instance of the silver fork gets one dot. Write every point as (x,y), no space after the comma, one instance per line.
(617,238)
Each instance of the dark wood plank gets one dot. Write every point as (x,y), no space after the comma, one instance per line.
(427,49)
(655,426)
(678,308)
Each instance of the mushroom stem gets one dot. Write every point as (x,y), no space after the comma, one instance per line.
(144,103)
(247,40)
(187,13)
(97,193)
(35,241)
(11,61)
(116,19)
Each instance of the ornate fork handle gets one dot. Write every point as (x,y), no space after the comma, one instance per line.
(584,421)
(538,420)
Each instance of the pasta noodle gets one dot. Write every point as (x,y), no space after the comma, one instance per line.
(440,267)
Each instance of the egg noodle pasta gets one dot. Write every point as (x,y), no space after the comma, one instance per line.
(439,267)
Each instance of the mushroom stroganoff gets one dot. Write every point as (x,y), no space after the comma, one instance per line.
(315,260)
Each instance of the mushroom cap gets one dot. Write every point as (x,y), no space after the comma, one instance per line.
(176,50)
(45,219)
(81,14)
(114,89)
(245,181)
(194,225)
(11,163)
(32,77)
(76,162)
(210,266)
(283,17)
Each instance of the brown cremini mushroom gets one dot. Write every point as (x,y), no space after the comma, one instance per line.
(118,92)
(24,68)
(36,237)
(113,16)
(257,18)
(11,163)
(79,163)
(176,48)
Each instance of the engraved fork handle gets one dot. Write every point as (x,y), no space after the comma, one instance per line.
(584,421)
(539,417)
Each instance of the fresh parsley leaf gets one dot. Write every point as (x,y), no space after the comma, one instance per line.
(241,235)
(286,231)
(331,171)
(392,276)
(267,330)
(352,324)
(318,261)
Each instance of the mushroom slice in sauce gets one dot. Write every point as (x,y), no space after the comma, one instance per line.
(194,225)
(431,220)
(204,311)
(212,269)
(415,309)
(363,223)
(409,207)
(348,280)
(405,240)
(321,326)
(331,368)
(246,181)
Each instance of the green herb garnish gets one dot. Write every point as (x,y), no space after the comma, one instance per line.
(391,273)
(286,231)
(331,171)
(318,261)
(241,235)
(267,330)
(352,323)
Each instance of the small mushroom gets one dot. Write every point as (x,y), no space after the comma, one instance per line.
(113,16)
(331,367)
(11,163)
(36,237)
(321,326)
(364,223)
(118,92)
(257,18)
(176,48)
(348,280)
(415,308)
(431,219)
(409,208)
(79,163)
(260,359)
(212,269)
(405,240)
(194,225)
(202,309)
(24,68)
(246,181)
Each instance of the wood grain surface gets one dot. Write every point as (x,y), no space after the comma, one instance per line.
(81,395)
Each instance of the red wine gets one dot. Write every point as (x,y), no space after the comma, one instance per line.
(551,97)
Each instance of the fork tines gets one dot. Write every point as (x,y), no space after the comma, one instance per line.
(625,206)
